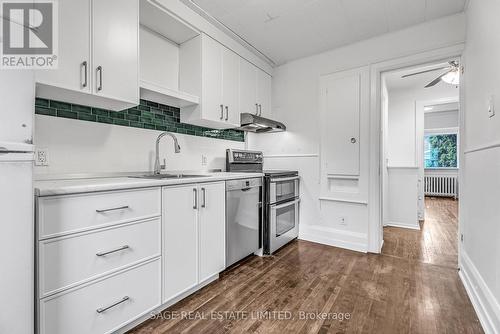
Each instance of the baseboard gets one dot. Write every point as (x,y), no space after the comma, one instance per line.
(486,306)
(332,237)
(402,225)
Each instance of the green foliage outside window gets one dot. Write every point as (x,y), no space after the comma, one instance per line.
(440,151)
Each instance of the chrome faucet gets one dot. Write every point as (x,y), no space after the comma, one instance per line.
(177,148)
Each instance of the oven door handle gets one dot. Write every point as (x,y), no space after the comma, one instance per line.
(284,205)
(284,179)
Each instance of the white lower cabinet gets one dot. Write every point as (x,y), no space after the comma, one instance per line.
(103,306)
(193,236)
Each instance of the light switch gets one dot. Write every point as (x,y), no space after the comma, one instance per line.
(491,106)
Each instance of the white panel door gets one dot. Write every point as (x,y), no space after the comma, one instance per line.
(248,88)
(346,94)
(116,49)
(212,226)
(264,93)
(73,70)
(180,240)
(212,102)
(230,86)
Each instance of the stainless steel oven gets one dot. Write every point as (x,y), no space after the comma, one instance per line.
(283,188)
(283,224)
(281,214)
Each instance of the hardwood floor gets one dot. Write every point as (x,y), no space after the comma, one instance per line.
(323,289)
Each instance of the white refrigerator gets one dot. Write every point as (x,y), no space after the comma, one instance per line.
(16,202)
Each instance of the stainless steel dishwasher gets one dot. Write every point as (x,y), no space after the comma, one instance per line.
(243,218)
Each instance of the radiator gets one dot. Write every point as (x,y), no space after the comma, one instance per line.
(441,185)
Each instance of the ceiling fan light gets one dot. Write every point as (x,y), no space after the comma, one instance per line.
(452,78)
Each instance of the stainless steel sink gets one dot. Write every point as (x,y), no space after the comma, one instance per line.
(168,176)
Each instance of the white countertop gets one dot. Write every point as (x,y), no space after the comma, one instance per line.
(84,185)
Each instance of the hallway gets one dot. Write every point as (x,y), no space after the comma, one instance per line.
(437,241)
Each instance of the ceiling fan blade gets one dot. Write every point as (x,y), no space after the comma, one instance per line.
(426,71)
(435,81)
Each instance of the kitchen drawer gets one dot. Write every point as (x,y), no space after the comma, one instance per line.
(60,215)
(66,261)
(80,311)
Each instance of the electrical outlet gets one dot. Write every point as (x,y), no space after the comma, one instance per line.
(41,157)
(204,160)
(343,221)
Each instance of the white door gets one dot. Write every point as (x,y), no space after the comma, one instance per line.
(180,240)
(346,98)
(264,93)
(116,49)
(230,86)
(212,102)
(73,70)
(212,227)
(248,88)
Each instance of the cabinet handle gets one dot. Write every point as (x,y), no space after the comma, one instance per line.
(99,70)
(221,111)
(227,113)
(104,309)
(195,196)
(260,109)
(257,109)
(353,140)
(204,193)
(85,69)
(124,247)
(112,209)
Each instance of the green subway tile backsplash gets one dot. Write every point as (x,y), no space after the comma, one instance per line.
(147,115)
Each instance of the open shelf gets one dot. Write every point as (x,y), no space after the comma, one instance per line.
(164,95)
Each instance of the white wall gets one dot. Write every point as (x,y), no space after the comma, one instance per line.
(480,169)
(296,103)
(86,147)
(402,120)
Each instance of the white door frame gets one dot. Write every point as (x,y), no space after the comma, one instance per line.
(375,228)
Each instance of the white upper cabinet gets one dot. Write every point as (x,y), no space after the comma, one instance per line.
(264,93)
(99,55)
(210,70)
(73,70)
(255,90)
(116,49)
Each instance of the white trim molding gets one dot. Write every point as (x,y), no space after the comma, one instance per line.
(483,300)
(402,225)
(355,241)
(482,147)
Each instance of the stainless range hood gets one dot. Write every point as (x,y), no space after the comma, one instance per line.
(254,123)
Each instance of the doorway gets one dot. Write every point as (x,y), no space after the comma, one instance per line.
(419,165)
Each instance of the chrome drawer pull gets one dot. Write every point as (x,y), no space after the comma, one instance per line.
(113,251)
(104,309)
(113,209)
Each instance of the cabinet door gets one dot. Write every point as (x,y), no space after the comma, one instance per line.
(73,70)
(212,227)
(212,102)
(264,93)
(116,49)
(230,86)
(248,87)
(180,240)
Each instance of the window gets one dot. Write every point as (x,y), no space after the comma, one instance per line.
(440,151)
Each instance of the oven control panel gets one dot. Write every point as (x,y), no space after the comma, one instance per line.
(242,156)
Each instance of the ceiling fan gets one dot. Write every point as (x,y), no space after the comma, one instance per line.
(451,75)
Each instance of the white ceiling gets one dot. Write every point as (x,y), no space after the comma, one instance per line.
(395,81)
(284,30)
